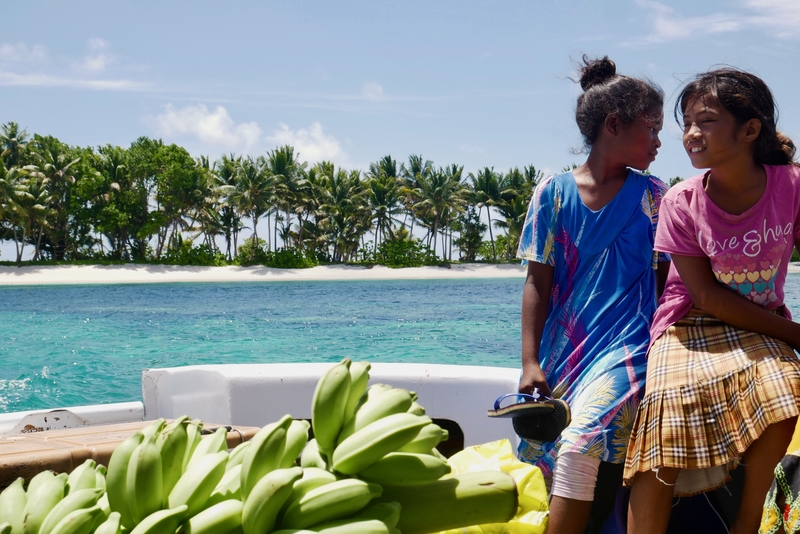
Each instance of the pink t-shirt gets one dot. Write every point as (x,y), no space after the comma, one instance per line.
(749,252)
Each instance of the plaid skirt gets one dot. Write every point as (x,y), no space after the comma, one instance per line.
(711,390)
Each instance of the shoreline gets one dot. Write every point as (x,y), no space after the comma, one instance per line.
(155,274)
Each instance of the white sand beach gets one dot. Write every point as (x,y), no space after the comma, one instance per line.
(140,274)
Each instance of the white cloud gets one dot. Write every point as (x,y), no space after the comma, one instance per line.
(312,144)
(372,91)
(46,80)
(778,17)
(214,129)
(21,53)
(98,59)
(471,149)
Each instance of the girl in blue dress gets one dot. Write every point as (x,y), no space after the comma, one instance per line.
(592,285)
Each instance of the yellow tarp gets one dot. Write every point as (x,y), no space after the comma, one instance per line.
(533,510)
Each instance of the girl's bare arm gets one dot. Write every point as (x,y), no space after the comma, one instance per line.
(535,306)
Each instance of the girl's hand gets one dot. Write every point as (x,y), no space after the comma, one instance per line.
(533,377)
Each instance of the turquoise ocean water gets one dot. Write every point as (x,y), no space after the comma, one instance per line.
(74,345)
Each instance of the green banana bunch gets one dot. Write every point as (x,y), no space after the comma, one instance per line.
(403,468)
(429,436)
(154,428)
(331,501)
(12,505)
(5,528)
(311,457)
(79,499)
(313,477)
(161,521)
(359,378)
(81,521)
(366,446)
(144,482)
(198,482)
(82,477)
(111,525)
(388,512)
(38,479)
(454,502)
(265,453)
(220,518)
(193,437)
(229,487)
(266,499)
(328,405)
(42,501)
(237,455)
(416,408)
(116,478)
(296,439)
(172,442)
(375,407)
(349,526)
(216,442)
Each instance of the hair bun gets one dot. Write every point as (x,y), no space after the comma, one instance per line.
(596,71)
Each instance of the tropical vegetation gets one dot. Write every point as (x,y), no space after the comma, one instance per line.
(154,202)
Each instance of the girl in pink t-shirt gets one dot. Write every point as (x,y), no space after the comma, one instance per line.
(723,380)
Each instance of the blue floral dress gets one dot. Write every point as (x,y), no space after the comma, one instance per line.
(603,298)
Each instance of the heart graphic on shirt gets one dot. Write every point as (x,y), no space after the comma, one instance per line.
(766,264)
(738,268)
(725,277)
(773,297)
(736,256)
(760,287)
(775,270)
(759,299)
(740,277)
(751,266)
(753,276)
(766,274)
(745,289)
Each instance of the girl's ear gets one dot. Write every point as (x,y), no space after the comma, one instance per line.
(751,130)
(612,124)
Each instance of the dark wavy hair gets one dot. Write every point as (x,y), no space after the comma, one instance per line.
(745,96)
(606,92)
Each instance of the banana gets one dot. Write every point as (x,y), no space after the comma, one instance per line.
(265,453)
(5,528)
(82,477)
(12,505)
(220,518)
(311,457)
(173,441)
(111,525)
(313,477)
(388,512)
(237,454)
(79,499)
(416,408)
(454,502)
(40,503)
(193,438)
(265,501)
(116,478)
(154,428)
(99,479)
(296,439)
(229,487)
(328,502)
(328,405)
(377,406)
(79,521)
(216,442)
(359,377)
(143,484)
(349,526)
(403,468)
(161,521)
(36,482)
(198,482)
(366,446)
(429,437)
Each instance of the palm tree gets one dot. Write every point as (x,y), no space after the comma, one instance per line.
(12,144)
(385,198)
(438,195)
(254,190)
(345,214)
(31,207)
(287,170)
(485,194)
(410,176)
(225,177)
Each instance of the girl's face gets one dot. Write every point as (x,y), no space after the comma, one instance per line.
(711,135)
(640,138)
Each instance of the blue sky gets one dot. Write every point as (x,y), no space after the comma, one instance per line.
(474,83)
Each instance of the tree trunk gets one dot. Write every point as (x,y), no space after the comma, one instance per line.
(494,252)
